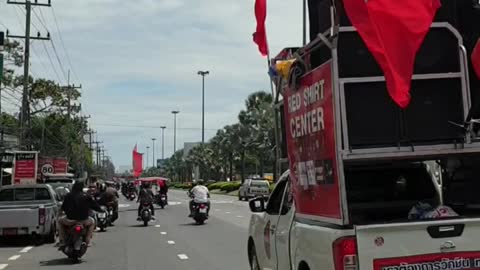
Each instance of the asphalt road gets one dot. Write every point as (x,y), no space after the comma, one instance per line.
(172,242)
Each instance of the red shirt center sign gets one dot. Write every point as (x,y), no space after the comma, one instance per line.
(310,129)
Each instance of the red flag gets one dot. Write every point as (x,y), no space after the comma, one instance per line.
(393,34)
(260,36)
(476,58)
(137,162)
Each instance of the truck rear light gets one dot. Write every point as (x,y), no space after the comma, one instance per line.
(42,216)
(345,254)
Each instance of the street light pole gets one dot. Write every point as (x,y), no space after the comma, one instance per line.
(153,152)
(148,147)
(163,141)
(175,130)
(203,74)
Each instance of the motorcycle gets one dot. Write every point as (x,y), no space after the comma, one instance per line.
(102,219)
(162,200)
(145,213)
(75,242)
(200,211)
(110,215)
(132,196)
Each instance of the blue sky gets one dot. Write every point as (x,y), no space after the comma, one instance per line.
(138,60)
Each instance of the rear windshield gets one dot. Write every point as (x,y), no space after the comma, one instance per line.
(259,184)
(24,194)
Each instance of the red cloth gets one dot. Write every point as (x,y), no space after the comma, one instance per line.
(393,31)
(137,162)
(260,36)
(476,58)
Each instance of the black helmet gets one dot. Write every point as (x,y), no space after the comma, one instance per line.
(77,186)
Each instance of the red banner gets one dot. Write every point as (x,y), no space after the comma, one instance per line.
(52,165)
(25,168)
(137,162)
(311,144)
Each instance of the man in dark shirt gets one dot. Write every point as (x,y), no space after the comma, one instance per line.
(76,206)
(146,196)
(108,196)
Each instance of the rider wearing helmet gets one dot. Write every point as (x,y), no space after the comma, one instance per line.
(145,196)
(199,194)
(108,196)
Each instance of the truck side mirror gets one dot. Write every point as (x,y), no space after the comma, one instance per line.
(257,205)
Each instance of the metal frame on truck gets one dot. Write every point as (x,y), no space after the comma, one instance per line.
(344,152)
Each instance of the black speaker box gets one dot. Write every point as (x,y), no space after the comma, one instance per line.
(375,121)
(355,60)
(283,134)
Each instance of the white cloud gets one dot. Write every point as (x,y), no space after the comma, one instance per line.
(160,45)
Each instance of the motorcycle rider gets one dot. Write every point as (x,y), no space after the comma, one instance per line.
(164,190)
(76,207)
(145,196)
(199,194)
(108,196)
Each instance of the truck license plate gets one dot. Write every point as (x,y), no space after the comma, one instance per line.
(203,210)
(9,232)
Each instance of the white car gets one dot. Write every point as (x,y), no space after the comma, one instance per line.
(252,188)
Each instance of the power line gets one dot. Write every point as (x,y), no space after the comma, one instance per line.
(59,61)
(51,62)
(62,43)
(145,126)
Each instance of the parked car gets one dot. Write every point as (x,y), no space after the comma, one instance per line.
(252,188)
(29,210)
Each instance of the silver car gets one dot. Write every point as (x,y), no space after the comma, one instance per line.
(252,188)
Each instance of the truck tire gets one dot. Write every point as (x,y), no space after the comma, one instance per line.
(253,258)
(51,237)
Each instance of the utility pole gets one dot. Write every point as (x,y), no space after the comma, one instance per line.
(25,111)
(175,131)
(153,152)
(203,74)
(69,89)
(163,141)
(146,167)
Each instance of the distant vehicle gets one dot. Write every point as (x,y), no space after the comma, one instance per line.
(29,210)
(252,188)
(60,180)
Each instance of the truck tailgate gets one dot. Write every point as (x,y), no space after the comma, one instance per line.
(431,245)
(19,216)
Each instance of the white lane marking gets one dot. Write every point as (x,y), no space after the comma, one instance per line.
(170,242)
(25,250)
(174,203)
(3,266)
(157,226)
(14,257)
(182,257)
(163,233)
(240,216)
(227,212)
(123,205)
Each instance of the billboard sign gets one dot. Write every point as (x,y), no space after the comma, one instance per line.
(53,166)
(25,166)
(310,132)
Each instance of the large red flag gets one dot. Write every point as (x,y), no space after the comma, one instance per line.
(393,31)
(137,162)
(476,58)
(260,35)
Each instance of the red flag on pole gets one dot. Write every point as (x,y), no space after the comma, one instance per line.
(476,58)
(137,162)
(393,31)
(260,36)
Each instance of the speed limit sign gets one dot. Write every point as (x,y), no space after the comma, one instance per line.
(47,169)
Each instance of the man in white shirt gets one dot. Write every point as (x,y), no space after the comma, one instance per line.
(199,194)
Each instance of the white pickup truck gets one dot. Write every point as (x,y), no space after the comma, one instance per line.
(28,210)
